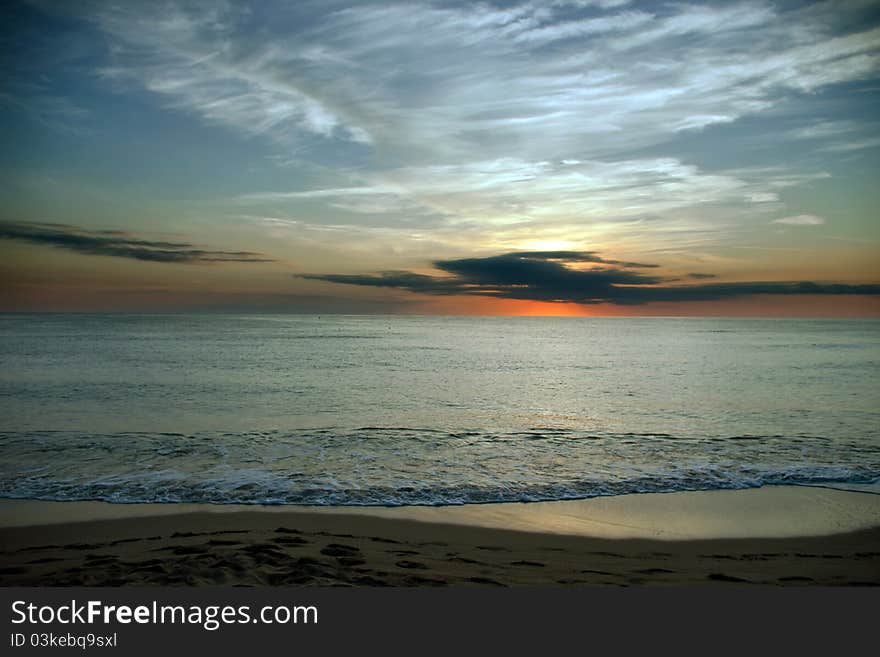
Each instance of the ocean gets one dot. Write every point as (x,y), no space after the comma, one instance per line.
(395,410)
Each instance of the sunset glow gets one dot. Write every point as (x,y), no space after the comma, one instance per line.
(564,158)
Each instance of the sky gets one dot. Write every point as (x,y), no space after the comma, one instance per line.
(561,157)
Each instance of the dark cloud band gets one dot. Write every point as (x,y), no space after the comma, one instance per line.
(119,244)
(548,276)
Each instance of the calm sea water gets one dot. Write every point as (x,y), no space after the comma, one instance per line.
(430,410)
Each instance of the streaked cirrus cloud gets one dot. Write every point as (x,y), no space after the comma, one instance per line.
(800,220)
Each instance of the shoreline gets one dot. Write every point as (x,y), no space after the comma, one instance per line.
(764,512)
(767,536)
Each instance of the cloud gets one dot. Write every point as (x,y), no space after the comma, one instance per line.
(119,244)
(581,4)
(437,80)
(437,125)
(854,145)
(839,136)
(824,129)
(575,256)
(800,220)
(52,111)
(582,28)
(511,190)
(554,276)
(206,59)
(700,275)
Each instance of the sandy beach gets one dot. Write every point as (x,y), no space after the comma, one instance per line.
(770,536)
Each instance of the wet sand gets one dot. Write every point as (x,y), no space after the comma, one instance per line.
(771,536)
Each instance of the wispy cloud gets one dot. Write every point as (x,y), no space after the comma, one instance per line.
(51,110)
(445,128)
(800,220)
(839,136)
(119,244)
(853,145)
(512,190)
(445,79)
(556,277)
(202,59)
(824,129)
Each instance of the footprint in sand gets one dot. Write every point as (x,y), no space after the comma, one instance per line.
(367,580)
(721,577)
(338,550)
(424,581)
(12,570)
(379,539)
(290,540)
(466,560)
(155,568)
(265,551)
(100,561)
(186,549)
(351,561)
